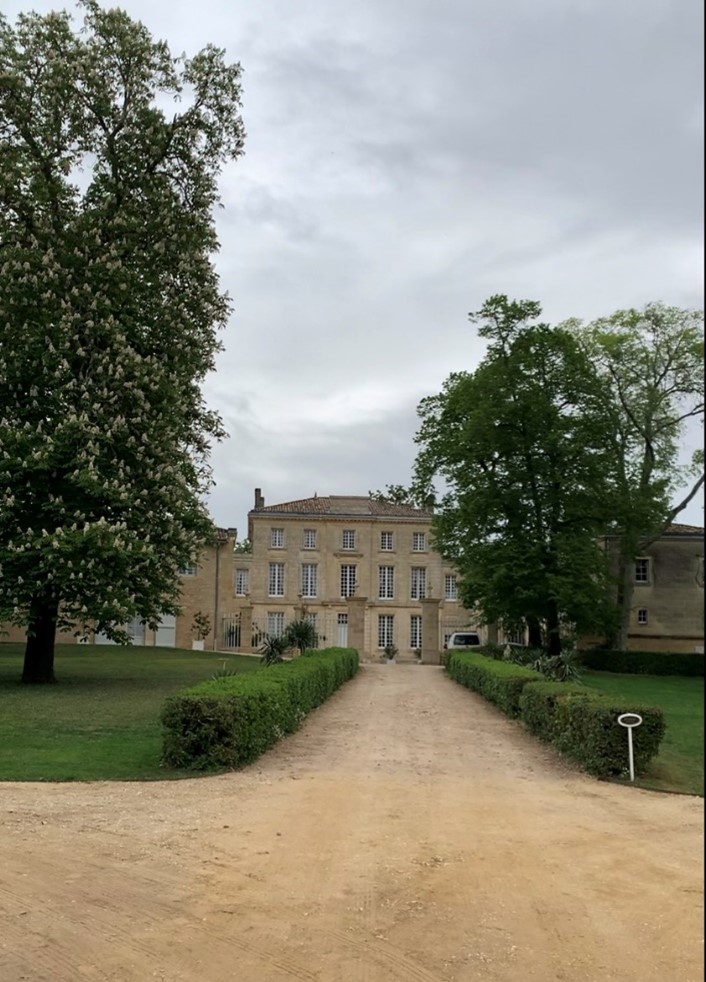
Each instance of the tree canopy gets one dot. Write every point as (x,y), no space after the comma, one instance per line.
(109,309)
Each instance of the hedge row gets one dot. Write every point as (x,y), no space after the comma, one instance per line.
(578,722)
(644,662)
(229,722)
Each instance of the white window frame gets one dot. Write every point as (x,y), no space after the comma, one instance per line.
(419,542)
(386,630)
(348,539)
(242,577)
(275,623)
(643,565)
(348,580)
(309,580)
(276,538)
(386,542)
(309,539)
(642,616)
(311,619)
(386,582)
(450,586)
(418,582)
(275,580)
(188,570)
(415,631)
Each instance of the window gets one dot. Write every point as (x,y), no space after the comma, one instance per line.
(418,583)
(276,580)
(309,578)
(241,582)
(311,619)
(189,570)
(415,631)
(642,616)
(386,630)
(386,590)
(419,542)
(275,623)
(386,541)
(309,539)
(277,538)
(348,540)
(450,587)
(642,571)
(515,637)
(348,581)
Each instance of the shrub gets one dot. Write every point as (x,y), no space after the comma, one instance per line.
(584,725)
(229,722)
(497,681)
(686,663)
(301,634)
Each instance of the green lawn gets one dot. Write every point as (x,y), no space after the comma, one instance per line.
(680,763)
(101,721)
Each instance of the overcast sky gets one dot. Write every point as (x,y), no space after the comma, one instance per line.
(406,159)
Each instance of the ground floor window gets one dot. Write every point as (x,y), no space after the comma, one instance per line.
(415,631)
(311,619)
(386,630)
(275,623)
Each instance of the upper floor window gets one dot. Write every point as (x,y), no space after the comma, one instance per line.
(188,570)
(276,580)
(450,587)
(241,582)
(348,581)
(418,584)
(419,542)
(386,589)
(309,579)
(309,539)
(277,538)
(642,615)
(348,540)
(386,541)
(642,571)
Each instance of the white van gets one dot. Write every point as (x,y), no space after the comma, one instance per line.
(462,640)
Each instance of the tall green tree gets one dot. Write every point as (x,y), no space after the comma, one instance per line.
(519,444)
(110,150)
(652,361)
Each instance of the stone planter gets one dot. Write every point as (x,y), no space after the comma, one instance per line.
(197,645)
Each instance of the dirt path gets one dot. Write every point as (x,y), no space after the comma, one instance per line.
(407,833)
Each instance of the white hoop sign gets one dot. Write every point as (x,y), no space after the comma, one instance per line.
(630,721)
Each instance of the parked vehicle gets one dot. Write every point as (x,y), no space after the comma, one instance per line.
(463,639)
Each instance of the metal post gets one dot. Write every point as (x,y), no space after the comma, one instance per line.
(630,721)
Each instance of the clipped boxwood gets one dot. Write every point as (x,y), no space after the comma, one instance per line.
(686,663)
(497,681)
(229,722)
(584,725)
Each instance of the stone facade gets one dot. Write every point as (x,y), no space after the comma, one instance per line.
(668,602)
(341,558)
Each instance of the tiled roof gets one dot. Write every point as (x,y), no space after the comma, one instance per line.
(343,505)
(677,529)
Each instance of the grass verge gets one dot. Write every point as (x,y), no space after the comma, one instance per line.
(679,766)
(101,721)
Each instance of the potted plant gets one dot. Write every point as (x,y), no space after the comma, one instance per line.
(201,626)
(389,654)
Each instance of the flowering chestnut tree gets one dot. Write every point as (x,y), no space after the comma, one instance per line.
(110,150)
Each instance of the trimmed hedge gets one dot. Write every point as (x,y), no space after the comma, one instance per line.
(578,722)
(229,722)
(686,663)
(584,725)
(497,681)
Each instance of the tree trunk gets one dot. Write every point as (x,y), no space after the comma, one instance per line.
(626,589)
(534,633)
(553,634)
(38,666)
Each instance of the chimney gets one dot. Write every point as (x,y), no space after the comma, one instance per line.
(259,500)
